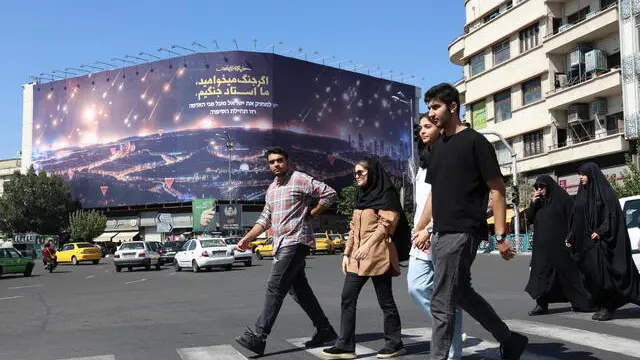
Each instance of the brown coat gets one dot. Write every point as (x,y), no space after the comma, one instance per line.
(374,226)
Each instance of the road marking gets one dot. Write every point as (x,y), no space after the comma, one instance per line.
(634,323)
(590,339)
(220,352)
(173,273)
(363,353)
(11,297)
(24,287)
(470,345)
(90,276)
(101,357)
(135,281)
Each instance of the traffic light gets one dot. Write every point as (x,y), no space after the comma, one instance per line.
(513,195)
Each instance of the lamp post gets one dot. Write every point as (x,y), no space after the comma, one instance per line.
(229,145)
(403,99)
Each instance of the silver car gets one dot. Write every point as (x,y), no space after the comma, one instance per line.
(137,254)
(245,257)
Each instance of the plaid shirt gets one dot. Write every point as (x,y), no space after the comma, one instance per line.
(287,206)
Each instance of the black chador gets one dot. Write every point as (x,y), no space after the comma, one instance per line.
(554,277)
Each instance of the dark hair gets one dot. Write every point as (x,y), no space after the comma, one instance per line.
(277,151)
(423,115)
(365,162)
(446,93)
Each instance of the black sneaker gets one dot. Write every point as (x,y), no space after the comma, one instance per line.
(514,346)
(321,337)
(603,315)
(336,353)
(539,310)
(251,341)
(388,353)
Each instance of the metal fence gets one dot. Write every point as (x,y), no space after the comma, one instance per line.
(521,243)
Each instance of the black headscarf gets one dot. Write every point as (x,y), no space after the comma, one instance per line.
(380,194)
(556,195)
(597,190)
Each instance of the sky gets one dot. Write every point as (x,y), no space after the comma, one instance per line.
(40,36)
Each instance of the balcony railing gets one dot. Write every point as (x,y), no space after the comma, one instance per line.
(586,138)
(581,78)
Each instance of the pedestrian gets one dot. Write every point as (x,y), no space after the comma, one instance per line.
(600,243)
(421,271)
(377,225)
(553,277)
(464,169)
(288,213)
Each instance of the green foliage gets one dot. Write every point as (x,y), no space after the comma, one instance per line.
(36,203)
(347,200)
(629,184)
(87,225)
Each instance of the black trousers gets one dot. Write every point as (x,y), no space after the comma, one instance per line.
(350,291)
(288,276)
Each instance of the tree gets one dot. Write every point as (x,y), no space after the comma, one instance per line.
(87,225)
(36,203)
(347,200)
(629,184)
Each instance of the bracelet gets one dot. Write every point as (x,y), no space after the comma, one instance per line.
(346,255)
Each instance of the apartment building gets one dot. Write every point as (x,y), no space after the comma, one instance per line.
(547,76)
(7,168)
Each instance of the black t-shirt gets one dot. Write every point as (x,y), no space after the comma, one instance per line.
(460,166)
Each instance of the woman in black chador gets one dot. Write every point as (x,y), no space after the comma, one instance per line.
(554,277)
(600,244)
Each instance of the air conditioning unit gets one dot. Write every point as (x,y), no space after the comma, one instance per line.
(562,80)
(576,56)
(598,107)
(578,112)
(595,60)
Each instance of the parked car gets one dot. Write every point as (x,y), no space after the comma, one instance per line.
(244,257)
(323,244)
(137,254)
(77,252)
(12,262)
(204,253)
(169,250)
(631,210)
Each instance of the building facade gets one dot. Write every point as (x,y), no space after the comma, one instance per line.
(7,168)
(547,75)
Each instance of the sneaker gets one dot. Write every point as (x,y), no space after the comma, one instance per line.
(514,346)
(251,341)
(539,310)
(388,353)
(321,337)
(336,353)
(603,315)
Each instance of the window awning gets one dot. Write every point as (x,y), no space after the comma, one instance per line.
(105,237)
(124,236)
(510,215)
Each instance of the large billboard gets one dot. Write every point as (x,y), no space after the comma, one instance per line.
(158,132)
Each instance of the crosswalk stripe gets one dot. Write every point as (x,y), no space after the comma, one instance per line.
(488,349)
(634,323)
(586,338)
(363,353)
(100,357)
(219,352)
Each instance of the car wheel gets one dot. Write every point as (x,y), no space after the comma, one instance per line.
(247,263)
(130,268)
(259,255)
(158,265)
(74,260)
(147,266)
(96,262)
(0,270)
(194,266)
(228,267)
(28,270)
(118,269)
(176,266)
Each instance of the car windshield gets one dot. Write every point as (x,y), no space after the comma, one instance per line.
(173,245)
(632,213)
(334,237)
(84,246)
(232,241)
(212,243)
(320,236)
(132,246)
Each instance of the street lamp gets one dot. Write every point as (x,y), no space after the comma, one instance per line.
(229,144)
(403,99)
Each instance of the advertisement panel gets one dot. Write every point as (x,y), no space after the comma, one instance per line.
(231,215)
(198,206)
(158,132)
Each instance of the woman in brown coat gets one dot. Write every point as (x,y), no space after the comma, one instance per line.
(371,253)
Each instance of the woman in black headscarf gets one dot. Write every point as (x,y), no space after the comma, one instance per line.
(379,238)
(553,277)
(599,242)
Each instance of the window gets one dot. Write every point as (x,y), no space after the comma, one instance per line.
(501,52)
(583,131)
(479,115)
(533,143)
(605,3)
(578,16)
(492,15)
(502,105)
(531,91)
(477,64)
(529,38)
(562,137)
(612,122)
(503,154)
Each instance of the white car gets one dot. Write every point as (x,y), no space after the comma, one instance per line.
(245,257)
(137,254)
(204,253)
(631,209)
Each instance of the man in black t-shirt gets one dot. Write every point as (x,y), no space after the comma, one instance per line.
(464,169)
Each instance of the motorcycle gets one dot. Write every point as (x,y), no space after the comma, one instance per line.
(50,264)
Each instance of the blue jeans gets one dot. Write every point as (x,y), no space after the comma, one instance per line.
(420,281)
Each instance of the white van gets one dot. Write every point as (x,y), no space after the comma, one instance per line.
(631,209)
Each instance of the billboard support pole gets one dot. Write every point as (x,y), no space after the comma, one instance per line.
(409,103)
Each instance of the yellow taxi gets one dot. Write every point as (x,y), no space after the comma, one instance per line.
(323,244)
(265,249)
(79,251)
(257,242)
(338,241)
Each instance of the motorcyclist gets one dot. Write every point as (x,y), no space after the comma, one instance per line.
(48,254)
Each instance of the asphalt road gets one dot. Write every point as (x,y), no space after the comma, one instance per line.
(90,311)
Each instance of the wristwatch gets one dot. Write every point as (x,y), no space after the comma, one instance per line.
(430,230)
(499,238)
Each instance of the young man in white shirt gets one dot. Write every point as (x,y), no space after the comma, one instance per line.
(421,270)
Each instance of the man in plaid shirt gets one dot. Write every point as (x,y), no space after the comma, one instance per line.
(287,211)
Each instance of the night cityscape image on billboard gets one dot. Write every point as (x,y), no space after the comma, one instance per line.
(156,133)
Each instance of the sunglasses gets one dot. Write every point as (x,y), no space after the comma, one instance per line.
(539,187)
(360,173)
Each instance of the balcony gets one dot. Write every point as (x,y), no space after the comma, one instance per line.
(592,28)
(602,85)
(456,51)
